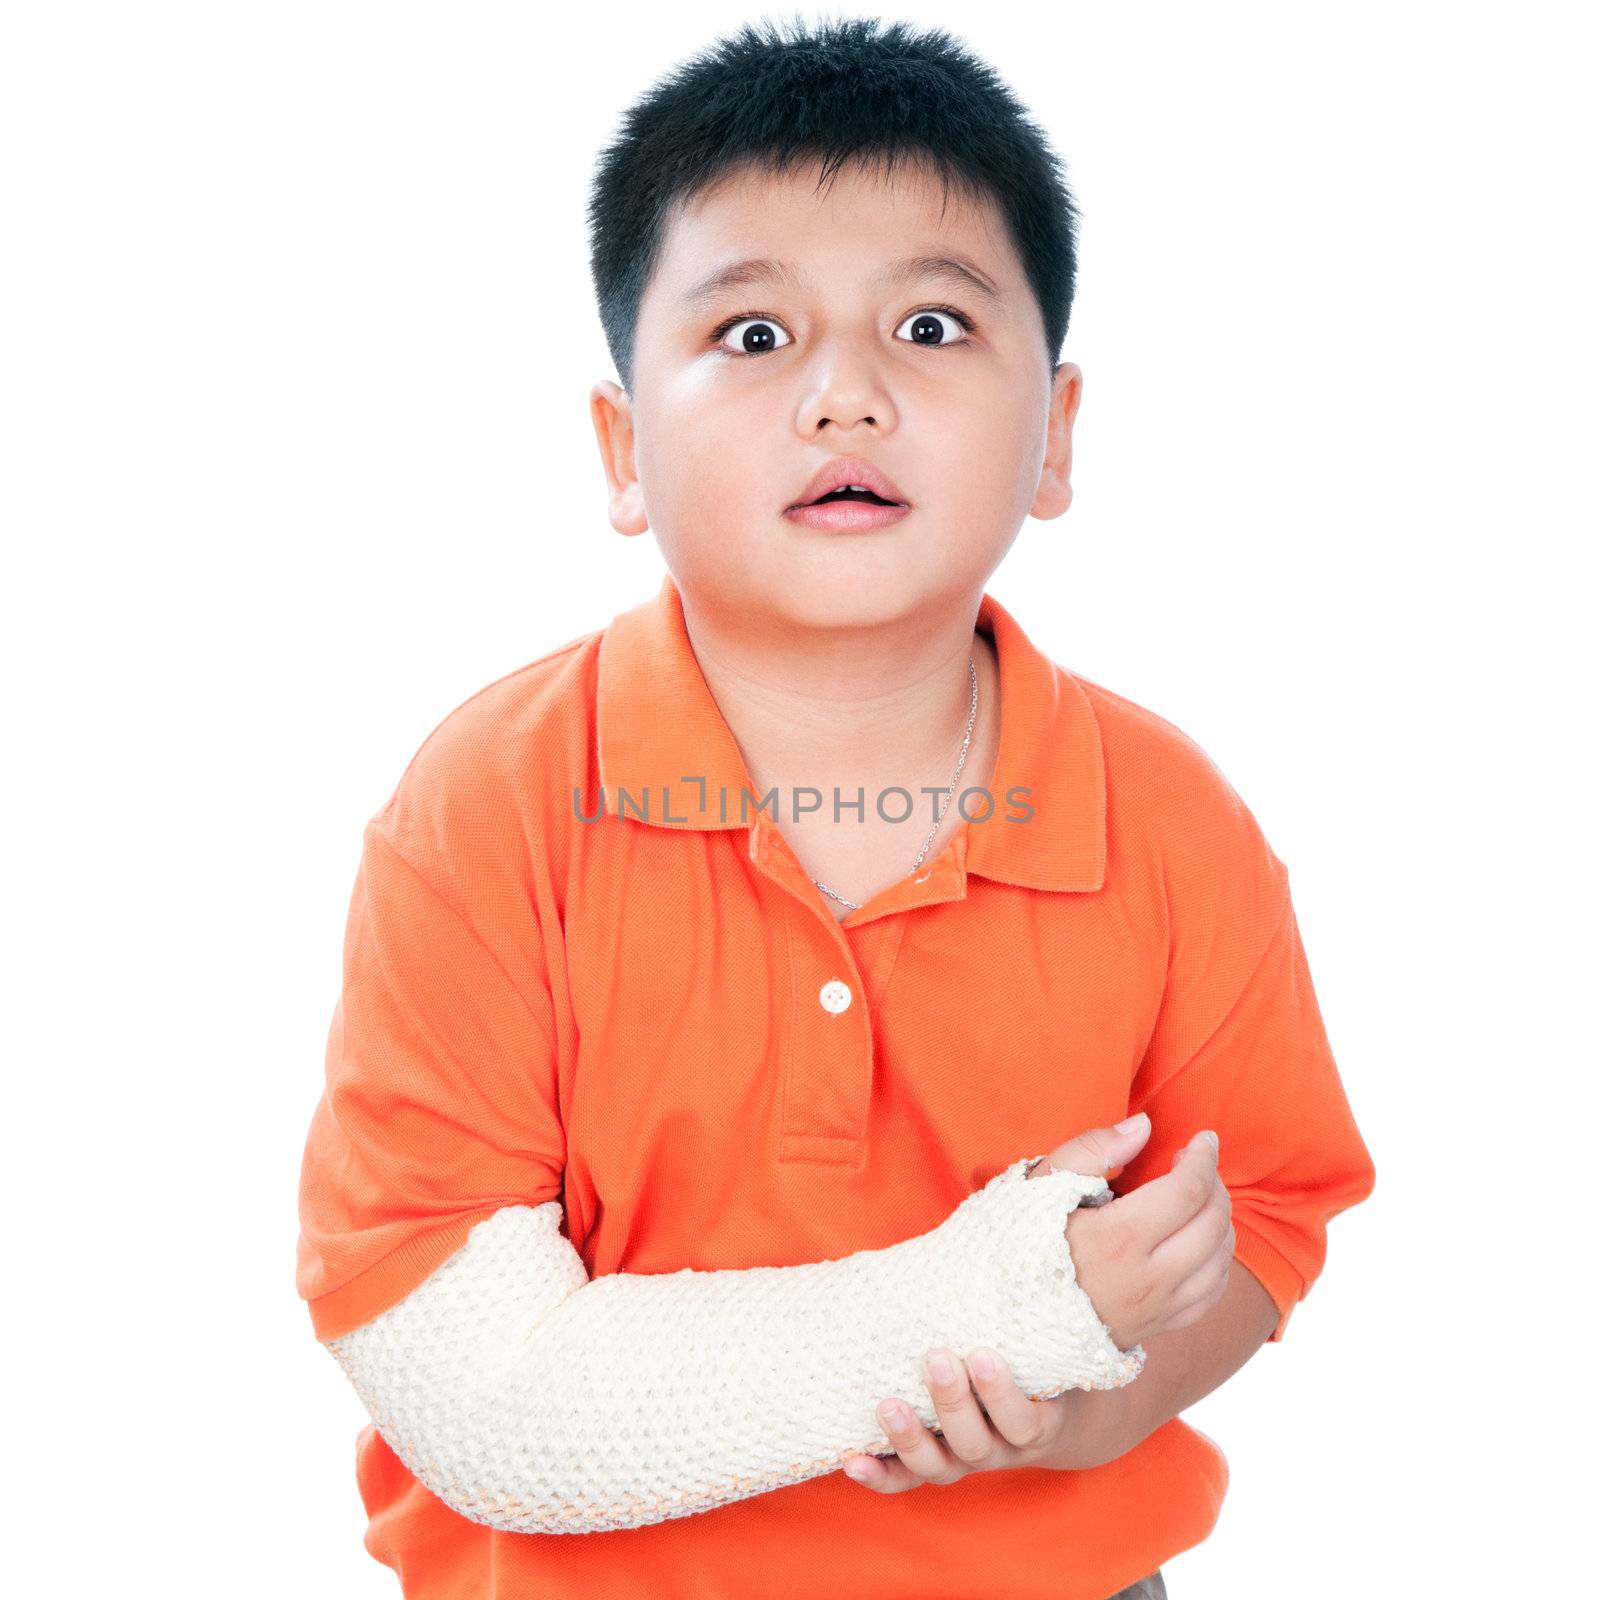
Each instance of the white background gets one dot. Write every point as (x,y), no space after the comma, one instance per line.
(297,341)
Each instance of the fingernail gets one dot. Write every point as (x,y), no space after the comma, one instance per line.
(940,1370)
(983,1364)
(1130,1123)
(1211,1134)
(855,1471)
(895,1416)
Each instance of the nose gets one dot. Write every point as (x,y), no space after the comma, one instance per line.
(845,390)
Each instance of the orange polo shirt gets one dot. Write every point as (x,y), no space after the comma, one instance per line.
(654,1017)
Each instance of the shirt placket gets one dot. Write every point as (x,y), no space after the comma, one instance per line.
(837,974)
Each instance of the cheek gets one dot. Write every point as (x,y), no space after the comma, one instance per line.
(988,439)
(693,462)
(730,484)
(715,494)
(987,475)
(715,452)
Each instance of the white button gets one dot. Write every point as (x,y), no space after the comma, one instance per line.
(835,996)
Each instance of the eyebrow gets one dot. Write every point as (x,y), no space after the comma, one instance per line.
(955,270)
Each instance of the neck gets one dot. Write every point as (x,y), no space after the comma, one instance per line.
(872,707)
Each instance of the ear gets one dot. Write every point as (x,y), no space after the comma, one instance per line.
(1054,494)
(612,414)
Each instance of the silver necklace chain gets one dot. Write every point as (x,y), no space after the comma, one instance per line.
(938,815)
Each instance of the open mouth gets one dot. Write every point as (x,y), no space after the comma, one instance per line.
(865,495)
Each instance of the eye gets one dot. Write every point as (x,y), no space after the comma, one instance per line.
(926,329)
(760,331)
(757,338)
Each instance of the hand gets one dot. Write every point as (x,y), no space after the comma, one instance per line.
(1157,1258)
(989,1424)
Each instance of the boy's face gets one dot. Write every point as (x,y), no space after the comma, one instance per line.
(714,444)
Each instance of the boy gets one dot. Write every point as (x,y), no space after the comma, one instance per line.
(616,966)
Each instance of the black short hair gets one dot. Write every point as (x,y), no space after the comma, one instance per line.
(841,90)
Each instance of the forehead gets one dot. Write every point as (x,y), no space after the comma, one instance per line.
(863,229)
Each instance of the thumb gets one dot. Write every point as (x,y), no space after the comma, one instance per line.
(1094,1153)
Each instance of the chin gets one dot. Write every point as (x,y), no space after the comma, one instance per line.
(815,580)
(849,598)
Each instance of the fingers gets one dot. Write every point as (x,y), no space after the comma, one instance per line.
(1201,1242)
(1161,1208)
(885,1474)
(921,1457)
(974,1436)
(1017,1418)
(1194,1297)
(1097,1151)
(967,1434)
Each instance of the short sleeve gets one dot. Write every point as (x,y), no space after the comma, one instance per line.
(1240,1046)
(439,1106)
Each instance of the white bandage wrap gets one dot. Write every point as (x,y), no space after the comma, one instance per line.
(529,1398)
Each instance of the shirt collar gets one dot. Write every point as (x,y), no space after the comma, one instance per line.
(661,737)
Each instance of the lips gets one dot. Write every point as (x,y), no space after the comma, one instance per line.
(840,472)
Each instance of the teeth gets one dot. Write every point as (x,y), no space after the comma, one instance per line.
(857,488)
